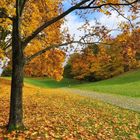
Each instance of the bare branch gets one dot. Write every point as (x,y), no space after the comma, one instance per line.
(131,4)
(122,16)
(108,4)
(90,3)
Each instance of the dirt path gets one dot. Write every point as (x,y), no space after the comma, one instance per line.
(121,101)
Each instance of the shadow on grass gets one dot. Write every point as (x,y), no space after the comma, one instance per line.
(51,83)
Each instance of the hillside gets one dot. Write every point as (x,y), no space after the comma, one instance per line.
(127,84)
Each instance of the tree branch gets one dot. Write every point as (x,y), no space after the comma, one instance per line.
(22,6)
(48,23)
(130,4)
(109,4)
(77,6)
(28,59)
(3,14)
(122,16)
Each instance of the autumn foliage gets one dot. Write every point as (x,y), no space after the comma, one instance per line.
(49,64)
(35,12)
(106,60)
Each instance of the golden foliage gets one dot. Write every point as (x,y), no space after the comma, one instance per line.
(118,56)
(34,15)
(49,64)
(1,54)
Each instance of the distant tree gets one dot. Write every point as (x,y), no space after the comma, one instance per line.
(113,57)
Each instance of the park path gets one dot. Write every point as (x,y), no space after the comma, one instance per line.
(118,100)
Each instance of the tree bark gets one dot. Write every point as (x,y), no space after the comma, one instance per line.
(16,110)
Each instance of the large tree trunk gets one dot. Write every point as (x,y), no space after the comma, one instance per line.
(16,110)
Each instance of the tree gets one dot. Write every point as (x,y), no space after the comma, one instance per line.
(134,42)
(111,57)
(17,13)
(91,65)
(45,64)
(129,41)
(49,64)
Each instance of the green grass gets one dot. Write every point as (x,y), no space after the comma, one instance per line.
(127,84)
(51,83)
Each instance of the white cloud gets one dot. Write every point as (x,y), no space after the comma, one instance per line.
(73,23)
(112,20)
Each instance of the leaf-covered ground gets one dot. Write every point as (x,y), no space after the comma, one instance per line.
(54,114)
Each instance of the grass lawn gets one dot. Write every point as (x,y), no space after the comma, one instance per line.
(56,115)
(127,84)
(51,83)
